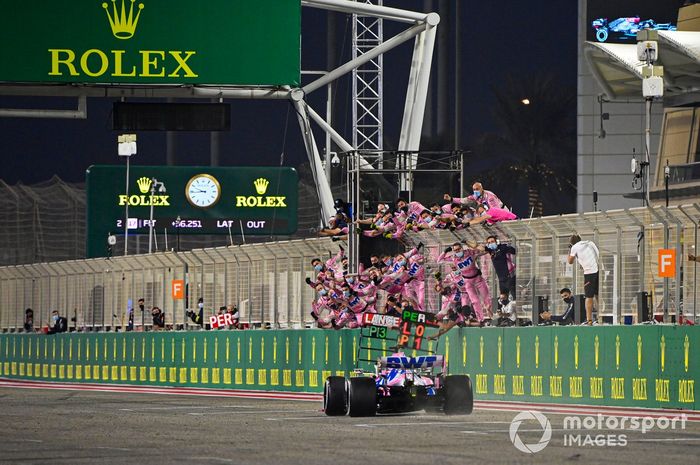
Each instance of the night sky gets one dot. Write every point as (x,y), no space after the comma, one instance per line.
(498,39)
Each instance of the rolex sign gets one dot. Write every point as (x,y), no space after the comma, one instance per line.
(241,42)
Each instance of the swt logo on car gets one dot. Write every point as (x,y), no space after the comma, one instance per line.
(424,361)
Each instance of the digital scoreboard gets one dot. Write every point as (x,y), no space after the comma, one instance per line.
(189,200)
(412,328)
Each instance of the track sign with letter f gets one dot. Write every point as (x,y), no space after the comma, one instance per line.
(667,263)
(178,289)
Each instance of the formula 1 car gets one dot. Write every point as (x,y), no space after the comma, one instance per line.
(626,28)
(399,383)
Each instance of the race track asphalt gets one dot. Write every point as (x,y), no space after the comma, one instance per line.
(39,426)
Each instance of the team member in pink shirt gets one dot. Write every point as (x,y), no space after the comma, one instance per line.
(492,215)
(484,197)
(463,260)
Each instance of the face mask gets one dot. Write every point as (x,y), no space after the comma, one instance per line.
(404,209)
(459,254)
(322,292)
(477,194)
(346,293)
(504,302)
(200,305)
(379,222)
(318,267)
(492,246)
(402,263)
(389,261)
(350,280)
(569,299)
(55,318)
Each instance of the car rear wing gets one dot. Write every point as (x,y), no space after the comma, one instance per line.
(411,363)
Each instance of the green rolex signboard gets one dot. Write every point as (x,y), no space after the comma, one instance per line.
(234,42)
(189,199)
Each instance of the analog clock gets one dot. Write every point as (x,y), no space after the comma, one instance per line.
(203,190)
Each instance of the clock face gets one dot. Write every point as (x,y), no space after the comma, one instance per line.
(203,190)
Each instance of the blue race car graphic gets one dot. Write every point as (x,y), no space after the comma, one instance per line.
(626,28)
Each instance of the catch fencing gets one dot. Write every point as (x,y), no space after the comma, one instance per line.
(629,241)
(266,280)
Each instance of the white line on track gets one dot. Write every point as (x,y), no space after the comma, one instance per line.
(255,412)
(315,417)
(192,407)
(212,459)
(416,423)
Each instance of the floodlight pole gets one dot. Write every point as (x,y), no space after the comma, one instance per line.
(126,147)
(161,188)
(126,210)
(150,219)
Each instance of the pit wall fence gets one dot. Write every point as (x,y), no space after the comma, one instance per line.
(266,280)
(650,366)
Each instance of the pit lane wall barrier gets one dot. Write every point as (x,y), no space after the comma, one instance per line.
(640,366)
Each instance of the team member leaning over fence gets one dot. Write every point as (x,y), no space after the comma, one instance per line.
(463,259)
(491,215)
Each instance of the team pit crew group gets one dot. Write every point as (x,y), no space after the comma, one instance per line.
(391,283)
(453,213)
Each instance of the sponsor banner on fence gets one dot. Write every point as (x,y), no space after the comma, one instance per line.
(630,366)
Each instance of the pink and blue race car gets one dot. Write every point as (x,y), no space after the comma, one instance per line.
(399,382)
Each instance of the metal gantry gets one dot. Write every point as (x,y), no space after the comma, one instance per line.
(367,82)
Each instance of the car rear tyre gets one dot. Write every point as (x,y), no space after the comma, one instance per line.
(362,397)
(335,397)
(459,397)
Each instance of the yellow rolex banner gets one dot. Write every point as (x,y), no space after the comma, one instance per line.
(242,42)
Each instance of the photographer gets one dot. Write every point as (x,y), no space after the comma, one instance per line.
(197,317)
(29,320)
(158,319)
(235,316)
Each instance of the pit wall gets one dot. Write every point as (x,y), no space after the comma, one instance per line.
(637,366)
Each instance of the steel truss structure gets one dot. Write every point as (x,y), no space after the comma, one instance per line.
(405,166)
(422,28)
(367,82)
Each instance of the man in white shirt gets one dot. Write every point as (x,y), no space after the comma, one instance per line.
(587,254)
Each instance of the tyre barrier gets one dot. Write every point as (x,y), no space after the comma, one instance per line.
(626,366)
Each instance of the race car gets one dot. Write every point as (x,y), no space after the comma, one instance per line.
(399,384)
(626,28)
